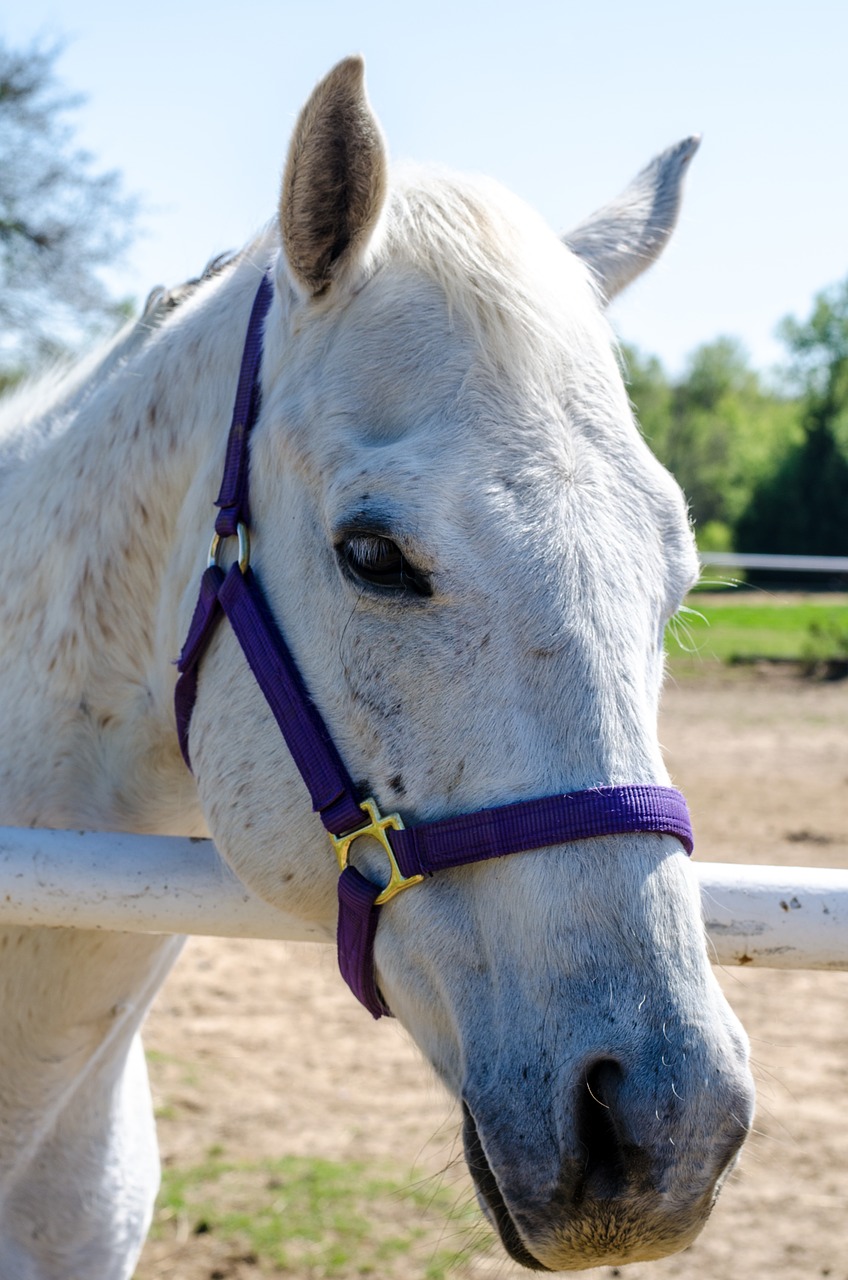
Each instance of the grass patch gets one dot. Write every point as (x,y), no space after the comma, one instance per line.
(731,628)
(317,1218)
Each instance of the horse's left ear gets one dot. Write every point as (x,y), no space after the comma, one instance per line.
(620,240)
(334,184)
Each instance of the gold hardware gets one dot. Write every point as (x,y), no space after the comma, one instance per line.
(376,828)
(243,547)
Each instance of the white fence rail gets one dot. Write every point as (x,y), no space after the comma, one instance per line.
(772,917)
(796,564)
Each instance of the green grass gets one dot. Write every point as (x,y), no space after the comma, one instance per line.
(319,1218)
(730,627)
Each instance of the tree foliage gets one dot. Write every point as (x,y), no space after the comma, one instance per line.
(717,428)
(763,470)
(60,220)
(819,362)
(802,507)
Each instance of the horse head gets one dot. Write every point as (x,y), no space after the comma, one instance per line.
(473,556)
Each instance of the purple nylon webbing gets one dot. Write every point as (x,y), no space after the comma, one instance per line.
(207,611)
(358,920)
(537,824)
(233,497)
(420,850)
(307,737)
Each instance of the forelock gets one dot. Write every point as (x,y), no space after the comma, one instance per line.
(501,269)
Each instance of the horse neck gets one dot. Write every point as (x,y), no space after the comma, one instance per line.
(87,619)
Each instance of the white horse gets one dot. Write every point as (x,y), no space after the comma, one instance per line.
(473,555)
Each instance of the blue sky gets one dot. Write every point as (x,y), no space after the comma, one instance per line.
(563,102)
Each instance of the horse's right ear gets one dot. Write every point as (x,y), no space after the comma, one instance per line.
(334,185)
(620,240)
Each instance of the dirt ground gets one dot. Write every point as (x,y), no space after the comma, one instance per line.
(257,1049)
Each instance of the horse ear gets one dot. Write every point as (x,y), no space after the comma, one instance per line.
(334,185)
(620,240)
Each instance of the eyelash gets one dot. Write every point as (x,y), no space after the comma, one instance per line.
(379,562)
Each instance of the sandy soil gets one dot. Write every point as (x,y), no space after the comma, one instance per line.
(258,1049)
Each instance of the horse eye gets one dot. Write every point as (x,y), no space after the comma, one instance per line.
(381,563)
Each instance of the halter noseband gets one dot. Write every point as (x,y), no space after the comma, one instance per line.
(412,852)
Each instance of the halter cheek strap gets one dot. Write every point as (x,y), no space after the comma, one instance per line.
(413,853)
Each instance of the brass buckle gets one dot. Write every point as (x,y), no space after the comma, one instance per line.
(243,534)
(376,828)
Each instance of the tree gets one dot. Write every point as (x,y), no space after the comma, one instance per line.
(717,428)
(650,393)
(60,221)
(819,360)
(802,507)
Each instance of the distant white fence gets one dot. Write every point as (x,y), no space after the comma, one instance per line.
(796,564)
(770,917)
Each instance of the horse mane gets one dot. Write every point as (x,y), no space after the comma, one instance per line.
(167,300)
(38,409)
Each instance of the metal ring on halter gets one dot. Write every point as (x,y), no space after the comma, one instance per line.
(243,547)
(376,828)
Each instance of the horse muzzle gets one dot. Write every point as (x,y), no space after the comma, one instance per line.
(616,1177)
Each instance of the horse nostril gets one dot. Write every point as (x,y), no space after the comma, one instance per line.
(605,1169)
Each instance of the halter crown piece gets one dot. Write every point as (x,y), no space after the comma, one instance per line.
(413,852)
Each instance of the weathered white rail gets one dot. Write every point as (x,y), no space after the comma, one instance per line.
(773,917)
(776,917)
(136,884)
(754,560)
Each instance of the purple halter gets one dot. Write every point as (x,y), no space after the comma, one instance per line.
(413,852)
